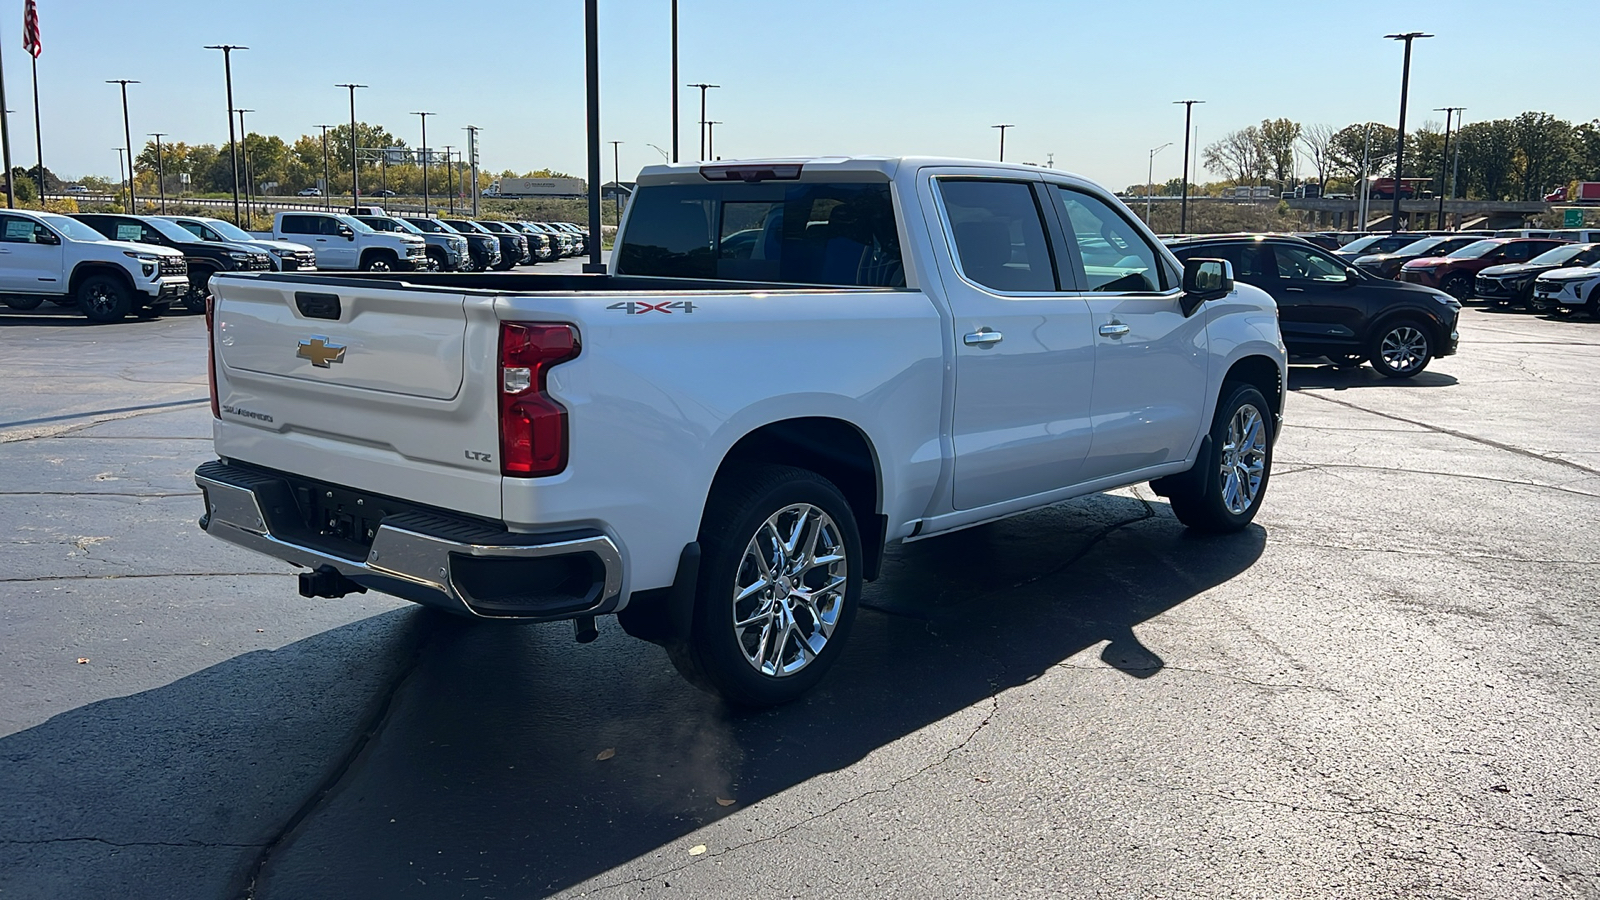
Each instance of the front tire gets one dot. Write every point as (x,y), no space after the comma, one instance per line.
(780,577)
(103,299)
(1402,349)
(380,262)
(1224,490)
(1457,286)
(437,261)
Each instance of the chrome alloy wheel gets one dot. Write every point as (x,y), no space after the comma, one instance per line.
(1243,459)
(789,590)
(1404,348)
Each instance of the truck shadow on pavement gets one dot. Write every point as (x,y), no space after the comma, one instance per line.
(1328,376)
(511,762)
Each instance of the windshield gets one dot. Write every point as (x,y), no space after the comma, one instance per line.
(1420,248)
(464,226)
(495,227)
(229,230)
(1360,244)
(1475,250)
(172,231)
(72,228)
(430,226)
(1573,254)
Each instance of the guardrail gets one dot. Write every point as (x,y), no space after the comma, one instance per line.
(263,203)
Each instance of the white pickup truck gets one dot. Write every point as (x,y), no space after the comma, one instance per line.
(788,366)
(346,243)
(48,256)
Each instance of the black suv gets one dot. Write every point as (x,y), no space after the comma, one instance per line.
(205,258)
(1328,308)
(1511,284)
(513,247)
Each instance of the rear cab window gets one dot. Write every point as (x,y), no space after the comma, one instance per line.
(795,232)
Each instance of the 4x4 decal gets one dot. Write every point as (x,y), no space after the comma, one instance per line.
(639,307)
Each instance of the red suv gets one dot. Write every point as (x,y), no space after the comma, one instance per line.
(1453,274)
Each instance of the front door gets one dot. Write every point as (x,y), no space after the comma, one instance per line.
(1150,359)
(1023,341)
(1317,301)
(26,265)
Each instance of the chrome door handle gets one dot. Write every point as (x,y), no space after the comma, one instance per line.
(983,337)
(1296,290)
(1115,330)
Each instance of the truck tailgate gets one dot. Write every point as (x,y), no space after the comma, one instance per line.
(390,390)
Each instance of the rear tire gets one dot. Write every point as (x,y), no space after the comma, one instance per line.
(1401,349)
(1224,490)
(23,304)
(780,577)
(104,299)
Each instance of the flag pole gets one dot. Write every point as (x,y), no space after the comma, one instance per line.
(5,140)
(38,142)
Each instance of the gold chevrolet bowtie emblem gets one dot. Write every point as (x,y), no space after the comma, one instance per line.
(321,351)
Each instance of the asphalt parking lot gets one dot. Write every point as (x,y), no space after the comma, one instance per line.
(1385,688)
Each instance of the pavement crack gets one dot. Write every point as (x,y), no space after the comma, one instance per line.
(1417,817)
(994,709)
(376,719)
(1440,429)
(134,494)
(1324,467)
(109,843)
(1453,554)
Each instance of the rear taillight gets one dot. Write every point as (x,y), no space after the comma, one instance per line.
(533,427)
(211,353)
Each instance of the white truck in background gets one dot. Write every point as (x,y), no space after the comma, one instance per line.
(790,365)
(48,256)
(345,243)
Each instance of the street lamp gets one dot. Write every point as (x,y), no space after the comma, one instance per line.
(664,156)
(616,179)
(355,166)
(1444,161)
(703,88)
(233,155)
(472,157)
(327,185)
(120,176)
(244,155)
(127,135)
(711,139)
(1188,115)
(1149,179)
(424,116)
(675,83)
(1002,138)
(161,169)
(449,180)
(1400,138)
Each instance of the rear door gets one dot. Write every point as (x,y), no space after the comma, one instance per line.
(385,389)
(1025,365)
(1150,359)
(27,265)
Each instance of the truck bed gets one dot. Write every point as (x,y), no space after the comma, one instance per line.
(535,283)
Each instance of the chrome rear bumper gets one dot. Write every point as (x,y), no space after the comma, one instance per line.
(457,564)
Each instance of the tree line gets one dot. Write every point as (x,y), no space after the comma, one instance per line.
(1504,159)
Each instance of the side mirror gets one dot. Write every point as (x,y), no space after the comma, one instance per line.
(1204,279)
(346,232)
(43,236)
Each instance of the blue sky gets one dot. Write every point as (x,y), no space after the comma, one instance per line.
(1090,82)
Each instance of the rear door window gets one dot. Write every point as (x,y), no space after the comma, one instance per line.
(999,234)
(797,233)
(299,225)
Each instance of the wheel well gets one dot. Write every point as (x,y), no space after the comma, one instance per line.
(832,448)
(1261,373)
(370,252)
(84,270)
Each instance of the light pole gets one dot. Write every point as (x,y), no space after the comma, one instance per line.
(120,175)
(1149,179)
(616,178)
(472,157)
(675,81)
(355,166)
(424,116)
(127,136)
(449,179)
(327,185)
(591,65)
(244,156)
(233,153)
(703,88)
(711,140)
(1002,139)
(1455,165)
(1400,137)
(161,169)
(1188,116)
(1444,161)
(5,142)
(664,156)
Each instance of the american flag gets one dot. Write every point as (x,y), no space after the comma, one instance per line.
(30,30)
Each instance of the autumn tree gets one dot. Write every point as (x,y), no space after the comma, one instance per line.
(1278,137)
(1317,140)
(1239,155)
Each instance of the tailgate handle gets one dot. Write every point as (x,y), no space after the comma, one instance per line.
(317,306)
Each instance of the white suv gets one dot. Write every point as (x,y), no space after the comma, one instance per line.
(1571,289)
(46,256)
